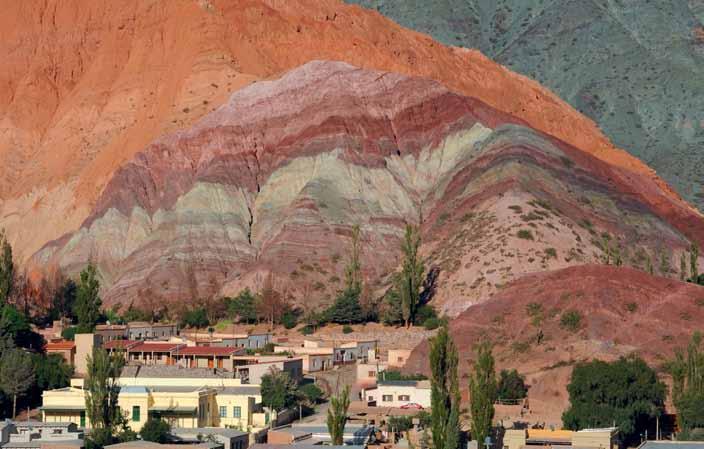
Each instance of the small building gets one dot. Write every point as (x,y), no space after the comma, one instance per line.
(141,444)
(185,397)
(287,435)
(353,434)
(312,363)
(368,373)
(250,369)
(604,438)
(206,356)
(110,332)
(65,348)
(399,393)
(142,330)
(398,357)
(229,438)
(35,434)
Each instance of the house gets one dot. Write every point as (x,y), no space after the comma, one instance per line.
(247,341)
(399,393)
(397,357)
(136,330)
(604,438)
(65,348)
(250,369)
(35,434)
(315,362)
(368,373)
(353,434)
(229,438)
(206,356)
(343,352)
(187,398)
(141,444)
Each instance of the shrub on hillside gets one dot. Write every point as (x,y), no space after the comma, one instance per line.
(431,323)
(346,329)
(525,234)
(571,320)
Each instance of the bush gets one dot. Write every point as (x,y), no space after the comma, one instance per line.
(511,385)
(398,375)
(525,234)
(289,320)
(571,320)
(425,312)
(69,333)
(195,318)
(431,323)
(346,329)
(306,330)
(156,430)
(311,392)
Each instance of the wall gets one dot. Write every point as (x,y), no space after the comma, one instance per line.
(246,405)
(84,348)
(398,357)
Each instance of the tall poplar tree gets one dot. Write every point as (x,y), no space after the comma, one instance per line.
(482,391)
(445,393)
(337,416)
(410,280)
(7,269)
(102,391)
(88,300)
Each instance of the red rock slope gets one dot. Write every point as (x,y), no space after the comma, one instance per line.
(623,311)
(87,84)
(273,180)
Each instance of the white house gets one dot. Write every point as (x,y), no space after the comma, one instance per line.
(399,393)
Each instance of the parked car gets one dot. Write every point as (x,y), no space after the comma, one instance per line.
(412,405)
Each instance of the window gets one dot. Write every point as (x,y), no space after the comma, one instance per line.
(404,397)
(372,374)
(387,398)
(236,411)
(223,411)
(370,398)
(136,413)
(399,359)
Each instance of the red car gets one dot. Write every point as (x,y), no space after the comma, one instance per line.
(412,405)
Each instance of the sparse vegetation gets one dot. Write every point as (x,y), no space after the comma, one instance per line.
(571,320)
(525,234)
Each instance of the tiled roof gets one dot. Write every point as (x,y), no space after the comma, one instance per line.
(60,345)
(120,344)
(154,347)
(209,350)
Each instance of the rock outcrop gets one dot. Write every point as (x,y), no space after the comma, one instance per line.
(274,179)
(86,85)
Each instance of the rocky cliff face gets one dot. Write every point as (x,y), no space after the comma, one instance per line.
(274,179)
(87,85)
(632,67)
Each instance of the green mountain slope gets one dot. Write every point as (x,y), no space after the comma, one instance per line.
(636,67)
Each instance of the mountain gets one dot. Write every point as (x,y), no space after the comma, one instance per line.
(621,311)
(191,147)
(633,67)
(274,179)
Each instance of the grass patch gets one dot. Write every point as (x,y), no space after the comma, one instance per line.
(551,253)
(525,234)
(571,320)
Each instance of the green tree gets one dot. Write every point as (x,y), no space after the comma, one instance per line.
(102,391)
(392,312)
(683,267)
(445,393)
(511,385)
(687,370)
(88,302)
(195,318)
(156,430)
(346,308)
(51,371)
(16,374)
(310,393)
(626,392)
(243,306)
(337,415)
(482,392)
(410,280)
(7,269)
(278,390)
(63,301)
